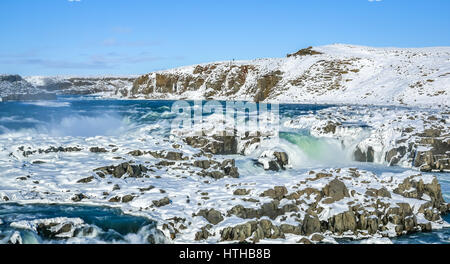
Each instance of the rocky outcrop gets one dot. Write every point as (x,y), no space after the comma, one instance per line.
(118,171)
(213,216)
(305,52)
(220,145)
(258,229)
(54,228)
(163,202)
(364,155)
(273,160)
(335,191)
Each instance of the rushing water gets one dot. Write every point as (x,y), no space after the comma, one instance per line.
(89,117)
(100,224)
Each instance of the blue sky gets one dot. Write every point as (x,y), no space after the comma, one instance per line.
(120,37)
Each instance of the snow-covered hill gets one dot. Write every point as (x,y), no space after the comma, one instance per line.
(109,86)
(14,84)
(327,74)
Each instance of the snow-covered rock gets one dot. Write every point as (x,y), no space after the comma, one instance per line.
(14,87)
(109,86)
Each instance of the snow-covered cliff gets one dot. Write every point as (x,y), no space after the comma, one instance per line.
(327,74)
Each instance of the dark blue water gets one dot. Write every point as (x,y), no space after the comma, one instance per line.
(111,225)
(22,115)
(436,237)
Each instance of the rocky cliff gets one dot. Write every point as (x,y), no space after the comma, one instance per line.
(326,74)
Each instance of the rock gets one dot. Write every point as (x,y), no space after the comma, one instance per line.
(203,234)
(79,197)
(271,210)
(364,156)
(127,198)
(133,171)
(86,180)
(213,216)
(15,239)
(305,52)
(443,164)
(217,144)
(226,168)
(317,237)
(55,228)
(433,190)
(273,161)
(305,241)
(278,193)
(290,229)
(383,192)
(168,155)
(157,237)
(239,232)
(98,150)
(282,158)
(229,168)
(343,222)
(151,187)
(242,212)
(163,202)
(241,192)
(394,155)
(115,199)
(336,190)
(84,231)
(310,225)
(204,164)
(257,230)
(136,153)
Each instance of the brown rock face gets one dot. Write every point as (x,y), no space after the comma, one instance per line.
(215,80)
(364,156)
(336,190)
(305,52)
(311,224)
(266,84)
(213,216)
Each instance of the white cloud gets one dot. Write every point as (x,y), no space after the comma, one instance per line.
(74,0)
(375,0)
